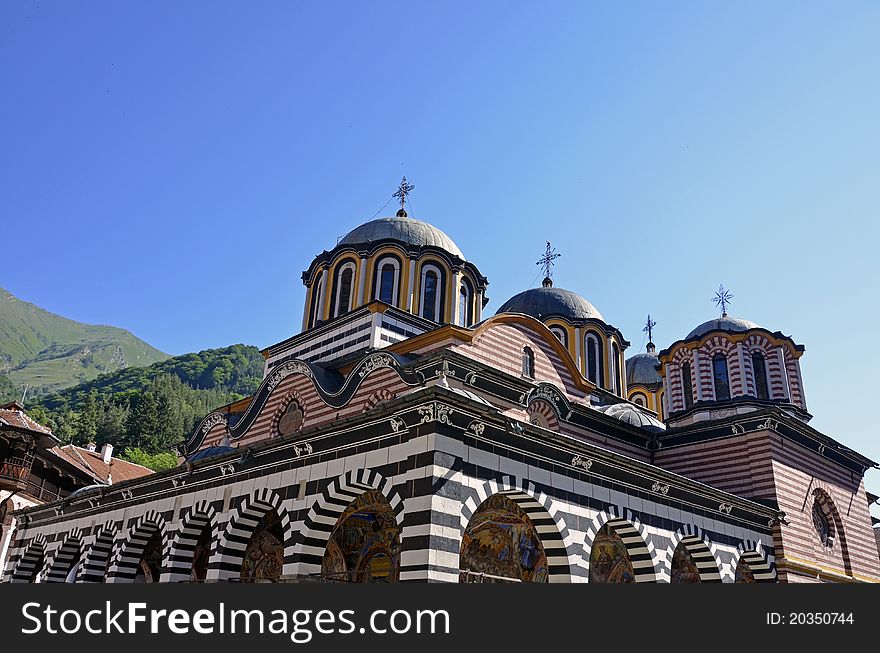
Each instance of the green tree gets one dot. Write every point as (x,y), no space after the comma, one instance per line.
(158,462)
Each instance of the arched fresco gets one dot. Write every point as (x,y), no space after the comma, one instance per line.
(683,568)
(743,572)
(201,555)
(264,556)
(609,560)
(501,541)
(149,567)
(364,546)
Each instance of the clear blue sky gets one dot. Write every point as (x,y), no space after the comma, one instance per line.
(172,167)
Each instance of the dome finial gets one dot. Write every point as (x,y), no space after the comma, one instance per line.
(401,194)
(649,329)
(547,262)
(722,298)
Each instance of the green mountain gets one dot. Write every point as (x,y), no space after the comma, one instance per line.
(48,352)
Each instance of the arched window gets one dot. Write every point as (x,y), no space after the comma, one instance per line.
(640,400)
(528,363)
(465,311)
(315,315)
(559,332)
(432,293)
(595,370)
(387,280)
(344,282)
(719,372)
(687,388)
(615,369)
(759,368)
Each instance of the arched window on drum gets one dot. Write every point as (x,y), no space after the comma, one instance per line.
(344,283)
(465,304)
(432,293)
(595,365)
(387,280)
(719,374)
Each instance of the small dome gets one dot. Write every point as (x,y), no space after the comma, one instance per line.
(210,452)
(724,323)
(633,416)
(641,369)
(402,229)
(548,301)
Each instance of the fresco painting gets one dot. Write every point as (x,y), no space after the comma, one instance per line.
(609,560)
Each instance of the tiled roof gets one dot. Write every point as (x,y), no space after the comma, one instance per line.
(13,415)
(92,463)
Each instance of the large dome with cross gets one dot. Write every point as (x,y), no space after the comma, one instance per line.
(402,229)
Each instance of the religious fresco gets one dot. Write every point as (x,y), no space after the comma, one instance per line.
(609,560)
(200,556)
(743,573)
(501,541)
(150,565)
(264,556)
(364,547)
(684,568)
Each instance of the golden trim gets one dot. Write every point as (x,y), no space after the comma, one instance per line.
(809,565)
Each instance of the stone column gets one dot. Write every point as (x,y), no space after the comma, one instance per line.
(697,374)
(362,273)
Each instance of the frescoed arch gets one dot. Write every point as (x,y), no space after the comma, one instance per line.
(623,524)
(32,562)
(67,556)
(187,547)
(229,556)
(754,561)
(700,549)
(324,515)
(96,560)
(141,536)
(538,507)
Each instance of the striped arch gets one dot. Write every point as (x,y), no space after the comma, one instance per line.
(702,550)
(308,552)
(753,553)
(65,557)
(289,398)
(96,561)
(822,496)
(182,548)
(543,413)
(634,535)
(228,556)
(33,560)
(555,537)
(124,566)
(380,396)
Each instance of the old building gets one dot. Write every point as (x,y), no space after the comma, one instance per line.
(403,436)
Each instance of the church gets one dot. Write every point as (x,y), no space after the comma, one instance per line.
(405,436)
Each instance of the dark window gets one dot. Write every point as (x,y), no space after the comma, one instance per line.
(316,302)
(595,371)
(618,382)
(386,284)
(344,299)
(464,306)
(528,363)
(428,310)
(760,370)
(686,385)
(719,370)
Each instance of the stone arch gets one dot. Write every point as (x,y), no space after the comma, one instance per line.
(182,549)
(96,560)
(634,535)
(822,497)
(226,561)
(66,556)
(123,568)
(555,536)
(292,396)
(543,413)
(32,562)
(379,396)
(752,553)
(701,549)
(326,510)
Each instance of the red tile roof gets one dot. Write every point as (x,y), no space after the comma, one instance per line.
(13,414)
(92,463)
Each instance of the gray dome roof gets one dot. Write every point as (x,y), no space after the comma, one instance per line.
(210,452)
(546,302)
(641,370)
(634,417)
(724,323)
(403,229)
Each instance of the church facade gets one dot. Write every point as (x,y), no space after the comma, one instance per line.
(403,436)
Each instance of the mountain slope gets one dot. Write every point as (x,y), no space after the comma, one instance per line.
(49,352)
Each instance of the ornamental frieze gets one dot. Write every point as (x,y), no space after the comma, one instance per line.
(435,412)
(375,362)
(285,370)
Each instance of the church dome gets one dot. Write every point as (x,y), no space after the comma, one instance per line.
(634,417)
(548,301)
(402,229)
(641,369)
(724,323)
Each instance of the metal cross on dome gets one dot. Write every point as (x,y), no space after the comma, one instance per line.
(722,298)
(547,261)
(402,191)
(649,328)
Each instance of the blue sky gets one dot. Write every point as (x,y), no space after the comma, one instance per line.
(173,167)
